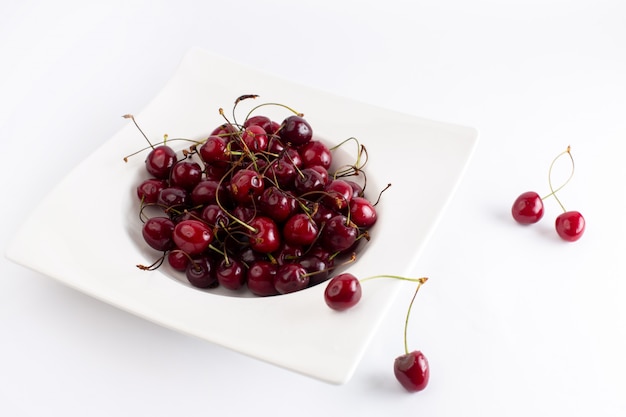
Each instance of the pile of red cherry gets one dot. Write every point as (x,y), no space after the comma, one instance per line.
(254,205)
(257,205)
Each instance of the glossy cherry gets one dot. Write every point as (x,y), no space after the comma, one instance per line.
(157,232)
(230,274)
(412,370)
(160,161)
(192,236)
(186,174)
(296,130)
(315,152)
(527,208)
(255,138)
(570,225)
(342,292)
(260,278)
(265,237)
(339,234)
(148,191)
(362,212)
(300,229)
(290,277)
(200,273)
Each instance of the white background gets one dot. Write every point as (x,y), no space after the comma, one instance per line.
(538,325)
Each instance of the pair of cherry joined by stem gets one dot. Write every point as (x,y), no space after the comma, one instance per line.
(411,369)
(528,208)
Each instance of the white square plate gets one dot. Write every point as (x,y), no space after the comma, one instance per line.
(95,250)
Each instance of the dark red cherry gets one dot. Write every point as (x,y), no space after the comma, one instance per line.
(259,120)
(296,130)
(339,234)
(412,371)
(260,278)
(308,181)
(338,195)
(160,161)
(527,208)
(226,130)
(205,192)
(290,278)
(317,268)
(157,232)
(178,260)
(148,191)
(192,236)
(215,216)
(281,173)
(342,292)
(231,274)
(173,197)
(200,273)
(277,204)
(315,153)
(186,174)
(570,225)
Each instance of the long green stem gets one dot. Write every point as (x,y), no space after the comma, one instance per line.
(421,281)
(552,190)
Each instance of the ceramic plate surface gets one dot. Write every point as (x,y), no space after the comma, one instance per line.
(422,159)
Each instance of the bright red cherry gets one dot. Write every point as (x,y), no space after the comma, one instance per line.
(570,225)
(527,208)
(266,235)
(192,236)
(362,212)
(342,292)
(412,371)
(255,138)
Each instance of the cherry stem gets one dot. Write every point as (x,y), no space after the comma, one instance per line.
(418,280)
(408,314)
(131,117)
(297,113)
(552,190)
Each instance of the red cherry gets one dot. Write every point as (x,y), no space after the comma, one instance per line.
(412,371)
(255,138)
(266,235)
(570,225)
(160,161)
(342,292)
(315,153)
(192,236)
(527,208)
(148,191)
(290,278)
(260,278)
(362,212)
(300,229)
(157,232)
(296,130)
